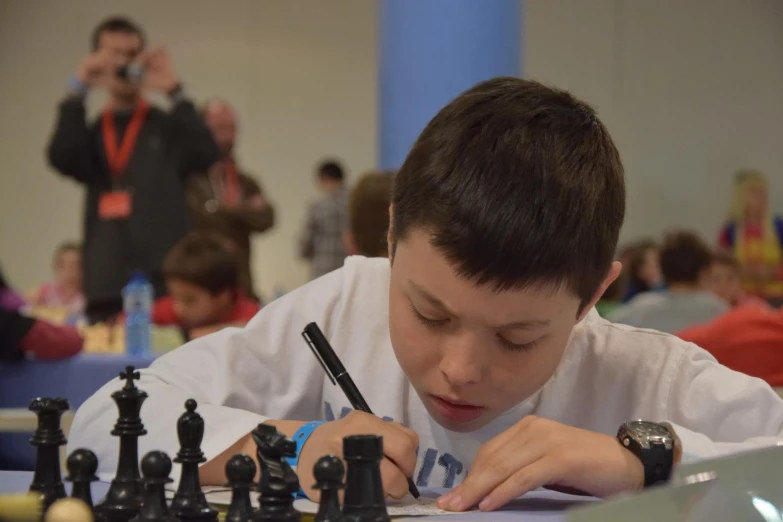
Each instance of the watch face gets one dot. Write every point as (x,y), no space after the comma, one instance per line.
(648,430)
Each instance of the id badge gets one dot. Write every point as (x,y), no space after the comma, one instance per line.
(115,205)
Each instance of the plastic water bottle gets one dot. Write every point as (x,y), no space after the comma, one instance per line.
(137,297)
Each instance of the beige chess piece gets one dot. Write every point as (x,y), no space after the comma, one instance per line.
(69,510)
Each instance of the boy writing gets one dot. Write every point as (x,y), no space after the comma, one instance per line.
(488,353)
(202,278)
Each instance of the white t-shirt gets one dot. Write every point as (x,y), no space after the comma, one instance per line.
(609,374)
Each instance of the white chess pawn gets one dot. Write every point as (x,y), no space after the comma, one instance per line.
(69,510)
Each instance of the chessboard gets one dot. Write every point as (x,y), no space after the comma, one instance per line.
(260,489)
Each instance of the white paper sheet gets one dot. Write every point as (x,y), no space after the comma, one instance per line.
(405,507)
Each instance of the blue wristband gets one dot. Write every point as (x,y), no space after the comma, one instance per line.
(300,437)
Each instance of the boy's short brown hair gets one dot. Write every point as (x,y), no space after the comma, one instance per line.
(684,256)
(518,184)
(368,213)
(205,260)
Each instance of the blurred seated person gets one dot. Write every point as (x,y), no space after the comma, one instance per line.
(725,281)
(321,240)
(368,216)
(65,291)
(9,299)
(685,263)
(226,200)
(755,237)
(24,337)
(202,278)
(642,267)
(613,296)
(748,339)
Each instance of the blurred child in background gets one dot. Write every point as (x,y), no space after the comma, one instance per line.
(24,337)
(642,266)
(755,237)
(368,216)
(65,290)
(321,240)
(202,278)
(685,263)
(726,282)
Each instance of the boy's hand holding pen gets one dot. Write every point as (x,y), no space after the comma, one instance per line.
(337,373)
(399,448)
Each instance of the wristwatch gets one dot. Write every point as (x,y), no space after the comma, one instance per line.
(653,444)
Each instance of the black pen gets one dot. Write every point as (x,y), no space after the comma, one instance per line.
(336,372)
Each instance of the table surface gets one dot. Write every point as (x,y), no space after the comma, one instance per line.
(539,506)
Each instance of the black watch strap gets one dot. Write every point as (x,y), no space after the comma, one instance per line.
(657,463)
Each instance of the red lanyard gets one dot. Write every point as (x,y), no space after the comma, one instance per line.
(118,156)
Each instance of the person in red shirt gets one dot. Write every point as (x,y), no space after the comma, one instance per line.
(202,278)
(748,339)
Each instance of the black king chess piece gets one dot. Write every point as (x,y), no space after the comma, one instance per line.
(328,472)
(240,471)
(278,483)
(364,498)
(47,438)
(189,503)
(82,465)
(123,500)
(156,467)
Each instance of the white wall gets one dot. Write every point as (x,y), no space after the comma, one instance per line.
(690,90)
(301,74)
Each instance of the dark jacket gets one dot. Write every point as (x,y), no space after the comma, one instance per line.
(169,146)
(236,224)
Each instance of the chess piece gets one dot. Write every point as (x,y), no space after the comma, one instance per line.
(69,510)
(328,472)
(364,498)
(278,483)
(47,438)
(240,471)
(156,467)
(189,503)
(25,507)
(82,465)
(123,500)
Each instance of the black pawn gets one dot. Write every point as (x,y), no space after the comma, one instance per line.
(364,498)
(328,472)
(123,500)
(82,465)
(189,503)
(156,467)
(240,471)
(47,438)
(278,484)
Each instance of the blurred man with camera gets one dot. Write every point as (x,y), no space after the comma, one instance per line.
(133,161)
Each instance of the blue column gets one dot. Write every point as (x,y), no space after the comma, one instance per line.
(430,51)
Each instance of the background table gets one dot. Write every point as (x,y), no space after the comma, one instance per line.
(74,379)
(539,507)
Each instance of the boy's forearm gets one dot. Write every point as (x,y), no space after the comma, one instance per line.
(213,473)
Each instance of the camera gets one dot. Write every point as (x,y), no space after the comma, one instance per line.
(132,72)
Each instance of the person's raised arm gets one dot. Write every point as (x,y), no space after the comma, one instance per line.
(70,150)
